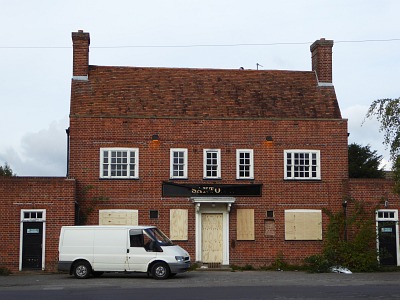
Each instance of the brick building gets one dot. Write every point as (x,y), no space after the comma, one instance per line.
(234,165)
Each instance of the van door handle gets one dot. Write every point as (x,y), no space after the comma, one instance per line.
(127,250)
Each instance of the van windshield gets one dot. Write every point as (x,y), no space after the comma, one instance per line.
(159,236)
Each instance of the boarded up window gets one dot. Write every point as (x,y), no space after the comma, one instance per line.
(245,224)
(178,224)
(118,217)
(269,228)
(303,224)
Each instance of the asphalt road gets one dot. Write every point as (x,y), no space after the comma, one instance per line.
(204,285)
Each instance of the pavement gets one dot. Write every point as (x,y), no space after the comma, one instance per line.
(46,281)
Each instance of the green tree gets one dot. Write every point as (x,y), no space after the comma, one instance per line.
(387,112)
(364,163)
(5,171)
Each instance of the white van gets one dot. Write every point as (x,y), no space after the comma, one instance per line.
(93,250)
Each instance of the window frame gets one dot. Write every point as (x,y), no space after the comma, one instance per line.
(251,166)
(218,165)
(386,215)
(185,163)
(292,171)
(128,170)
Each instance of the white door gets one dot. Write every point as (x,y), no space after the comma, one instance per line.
(141,251)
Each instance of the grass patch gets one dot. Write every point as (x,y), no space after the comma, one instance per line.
(4,271)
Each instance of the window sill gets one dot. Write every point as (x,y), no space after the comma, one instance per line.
(302,180)
(107,178)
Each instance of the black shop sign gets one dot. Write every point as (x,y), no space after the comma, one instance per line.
(170,189)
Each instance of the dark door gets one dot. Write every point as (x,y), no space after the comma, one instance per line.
(32,245)
(387,243)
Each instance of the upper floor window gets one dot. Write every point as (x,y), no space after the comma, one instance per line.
(302,164)
(179,163)
(212,163)
(244,164)
(119,163)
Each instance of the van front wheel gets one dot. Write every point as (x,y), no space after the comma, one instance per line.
(160,270)
(82,270)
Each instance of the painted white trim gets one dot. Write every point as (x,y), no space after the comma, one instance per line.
(218,209)
(251,171)
(21,235)
(82,78)
(394,219)
(185,163)
(213,199)
(325,83)
(305,151)
(218,151)
(128,150)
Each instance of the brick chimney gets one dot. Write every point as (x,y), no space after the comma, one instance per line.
(80,42)
(321,58)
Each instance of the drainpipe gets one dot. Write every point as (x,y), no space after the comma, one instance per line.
(344,204)
(67,131)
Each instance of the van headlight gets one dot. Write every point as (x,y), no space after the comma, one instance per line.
(180,258)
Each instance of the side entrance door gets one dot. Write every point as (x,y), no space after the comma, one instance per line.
(387,243)
(212,238)
(32,243)
(387,230)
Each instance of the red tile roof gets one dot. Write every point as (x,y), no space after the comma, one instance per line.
(202,93)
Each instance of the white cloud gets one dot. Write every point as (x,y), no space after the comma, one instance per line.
(41,153)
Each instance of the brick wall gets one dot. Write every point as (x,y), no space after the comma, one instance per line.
(88,135)
(374,192)
(55,195)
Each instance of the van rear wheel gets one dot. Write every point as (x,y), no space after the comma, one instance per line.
(160,270)
(82,269)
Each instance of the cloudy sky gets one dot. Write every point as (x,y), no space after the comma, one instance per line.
(36,56)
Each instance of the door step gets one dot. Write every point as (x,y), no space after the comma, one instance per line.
(213,267)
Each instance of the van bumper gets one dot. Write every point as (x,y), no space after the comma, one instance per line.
(179,267)
(64,266)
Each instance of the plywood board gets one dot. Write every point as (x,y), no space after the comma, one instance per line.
(245,224)
(303,225)
(178,224)
(118,217)
(212,238)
